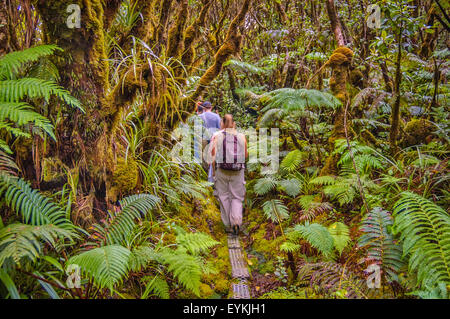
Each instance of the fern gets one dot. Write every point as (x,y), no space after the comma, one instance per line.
(244,66)
(106,265)
(186,268)
(32,205)
(157,285)
(330,278)
(424,229)
(291,186)
(292,160)
(300,99)
(317,235)
(195,243)
(275,210)
(312,208)
(15,90)
(20,243)
(380,244)
(264,185)
(11,63)
(22,113)
(341,235)
(122,223)
(141,257)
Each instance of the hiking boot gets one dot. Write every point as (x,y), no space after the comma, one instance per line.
(228,230)
(236,230)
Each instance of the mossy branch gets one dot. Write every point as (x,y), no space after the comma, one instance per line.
(229,47)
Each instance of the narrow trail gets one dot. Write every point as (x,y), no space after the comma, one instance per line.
(239,270)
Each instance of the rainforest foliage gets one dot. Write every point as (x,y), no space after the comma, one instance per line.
(95,203)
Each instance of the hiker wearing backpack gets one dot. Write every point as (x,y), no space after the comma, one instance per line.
(229,151)
(212,124)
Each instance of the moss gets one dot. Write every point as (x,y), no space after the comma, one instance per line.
(222,286)
(356,78)
(175,37)
(348,53)
(337,59)
(205,291)
(125,174)
(417,131)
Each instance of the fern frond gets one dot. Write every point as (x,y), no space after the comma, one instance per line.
(329,277)
(380,244)
(317,235)
(292,160)
(300,99)
(275,210)
(21,242)
(341,235)
(244,66)
(141,257)
(291,186)
(133,207)
(184,267)
(22,113)
(264,185)
(157,285)
(424,229)
(323,180)
(196,243)
(106,265)
(12,62)
(15,90)
(31,204)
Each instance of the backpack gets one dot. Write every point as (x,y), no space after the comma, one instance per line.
(233,151)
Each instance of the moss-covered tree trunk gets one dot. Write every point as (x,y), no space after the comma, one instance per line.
(83,139)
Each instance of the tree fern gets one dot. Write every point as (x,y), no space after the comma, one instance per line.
(300,99)
(107,265)
(244,66)
(424,229)
(20,243)
(275,210)
(382,249)
(341,235)
(31,204)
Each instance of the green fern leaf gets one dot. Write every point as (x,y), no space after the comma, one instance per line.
(32,205)
(20,242)
(106,265)
(424,229)
(341,235)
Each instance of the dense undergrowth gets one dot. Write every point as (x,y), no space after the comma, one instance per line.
(93,184)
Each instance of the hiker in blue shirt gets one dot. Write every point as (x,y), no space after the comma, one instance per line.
(212,123)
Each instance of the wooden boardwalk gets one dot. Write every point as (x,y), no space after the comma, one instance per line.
(239,269)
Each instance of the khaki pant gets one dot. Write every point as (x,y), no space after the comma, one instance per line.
(230,192)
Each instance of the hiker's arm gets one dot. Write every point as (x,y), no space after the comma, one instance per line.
(245,146)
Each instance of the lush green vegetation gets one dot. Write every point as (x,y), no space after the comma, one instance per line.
(92,183)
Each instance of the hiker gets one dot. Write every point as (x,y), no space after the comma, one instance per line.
(199,142)
(229,151)
(212,124)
